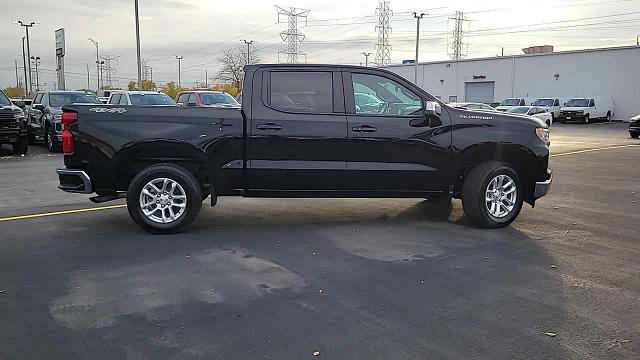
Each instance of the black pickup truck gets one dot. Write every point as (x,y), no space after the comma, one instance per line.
(306,131)
(13,126)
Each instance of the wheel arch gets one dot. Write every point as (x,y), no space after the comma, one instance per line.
(134,158)
(516,156)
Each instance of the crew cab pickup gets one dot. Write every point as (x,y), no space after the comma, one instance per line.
(300,133)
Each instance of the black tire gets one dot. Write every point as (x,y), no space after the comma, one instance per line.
(474,194)
(21,147)
(51,140)
(634,135)
(586,119)
(31,136)
(176,173)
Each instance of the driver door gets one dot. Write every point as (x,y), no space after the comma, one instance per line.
(393,147)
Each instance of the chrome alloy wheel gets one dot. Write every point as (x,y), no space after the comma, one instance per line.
(163,200)
(501,195)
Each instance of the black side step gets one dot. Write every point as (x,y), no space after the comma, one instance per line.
(104,198)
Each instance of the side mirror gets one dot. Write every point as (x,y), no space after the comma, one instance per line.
(432,108)
(38,107)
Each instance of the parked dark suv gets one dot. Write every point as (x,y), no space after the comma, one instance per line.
(45,116)
(13,127)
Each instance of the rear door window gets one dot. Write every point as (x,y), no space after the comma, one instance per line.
(115,99)
(192,100)
(301,91)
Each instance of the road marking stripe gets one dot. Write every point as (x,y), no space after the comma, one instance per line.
(66,212)
(592,150)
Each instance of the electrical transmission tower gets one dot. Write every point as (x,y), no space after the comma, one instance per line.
(293,37)
(456,48)
(147,71)
(383,46)
(109,69)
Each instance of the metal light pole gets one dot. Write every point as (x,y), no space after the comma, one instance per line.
(24,66)
(418,17)
(36,60)
(138,45)
(100,67)
(97,63)
(179,71)
(248,50)
(26,28)
(366,58)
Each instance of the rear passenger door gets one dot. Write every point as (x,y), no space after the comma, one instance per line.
(297,131)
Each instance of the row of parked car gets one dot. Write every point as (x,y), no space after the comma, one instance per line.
(40,118)
(553,109)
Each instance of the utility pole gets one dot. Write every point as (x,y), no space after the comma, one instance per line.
(138,46)
(100,75)
(383,46)
(292,36)
(26,28)
(17,80)
(88,86)
(36,61)
(248,50)
(179,58)
(418,17)
(206,79)
(366,58)
(97,63)
(24,67)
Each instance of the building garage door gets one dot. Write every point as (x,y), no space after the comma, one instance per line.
(481,92)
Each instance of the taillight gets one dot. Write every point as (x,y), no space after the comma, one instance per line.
(68,118)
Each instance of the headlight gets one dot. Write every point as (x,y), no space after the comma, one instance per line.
(543,134)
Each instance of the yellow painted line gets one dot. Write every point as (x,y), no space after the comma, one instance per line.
(593,150)
(66,212)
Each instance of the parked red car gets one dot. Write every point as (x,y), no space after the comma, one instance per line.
(206,98)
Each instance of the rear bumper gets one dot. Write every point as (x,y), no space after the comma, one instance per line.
(543,187)
(74,181)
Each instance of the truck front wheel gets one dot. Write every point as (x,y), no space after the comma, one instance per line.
(492,195)
(164,199)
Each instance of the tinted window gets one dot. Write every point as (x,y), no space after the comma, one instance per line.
(123,100)
(183,99)
(4,100)
(192,100)
(217,99)
(115,99)
(556,103)
(543,102)
(391,97)
(310,92)
(58,100)
(37,99)
(150,99)
(592,103)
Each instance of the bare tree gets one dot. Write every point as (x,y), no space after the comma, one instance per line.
(233,62)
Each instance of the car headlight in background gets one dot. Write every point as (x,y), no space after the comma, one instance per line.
(543,134)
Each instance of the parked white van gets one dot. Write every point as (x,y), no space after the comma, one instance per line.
(588,109)
(510,103)
(552,105)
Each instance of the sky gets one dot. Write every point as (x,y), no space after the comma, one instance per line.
(336,31)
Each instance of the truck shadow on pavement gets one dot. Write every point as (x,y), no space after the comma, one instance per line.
(349,279)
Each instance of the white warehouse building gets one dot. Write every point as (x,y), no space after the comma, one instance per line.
(613,72)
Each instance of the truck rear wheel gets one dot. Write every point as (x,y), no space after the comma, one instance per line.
(492,195)
(164,199)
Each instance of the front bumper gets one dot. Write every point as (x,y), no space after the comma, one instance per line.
(12,135)
(543,187)
(74,181)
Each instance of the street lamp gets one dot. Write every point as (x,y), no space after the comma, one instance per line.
(36,61)
(366,58)
(418,17)
(179,58)
(248,50)
(26,28)
(97,63)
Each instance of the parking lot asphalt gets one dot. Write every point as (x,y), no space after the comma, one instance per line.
(339,278)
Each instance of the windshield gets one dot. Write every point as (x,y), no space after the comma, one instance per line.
(218,99)
(578,103)
(4,100)
(543,102)
(510,102)
(520,110)
(58,100)
(151,99)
